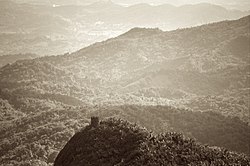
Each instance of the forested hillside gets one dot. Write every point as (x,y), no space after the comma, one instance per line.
(117,142)
(186,81)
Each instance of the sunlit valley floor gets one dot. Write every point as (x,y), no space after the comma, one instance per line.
(193,81)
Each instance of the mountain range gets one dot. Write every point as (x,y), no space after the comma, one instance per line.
(239,5)
(46,29)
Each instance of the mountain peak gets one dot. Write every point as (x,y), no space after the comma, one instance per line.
(203,6)
(141,5)
(104,4)
(141,32)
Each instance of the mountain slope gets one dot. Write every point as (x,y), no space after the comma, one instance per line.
(116,142)
(139,54)
(187,63)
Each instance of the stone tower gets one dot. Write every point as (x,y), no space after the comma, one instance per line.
(94,121)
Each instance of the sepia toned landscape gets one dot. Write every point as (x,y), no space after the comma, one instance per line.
(124,83)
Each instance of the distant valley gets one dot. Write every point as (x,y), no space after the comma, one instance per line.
(45,29)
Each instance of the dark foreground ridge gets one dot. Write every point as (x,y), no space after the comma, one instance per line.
(115,142)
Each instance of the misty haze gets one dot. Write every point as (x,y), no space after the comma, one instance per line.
(124,82)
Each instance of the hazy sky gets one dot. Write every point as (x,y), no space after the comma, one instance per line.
(232,4)
(180,2)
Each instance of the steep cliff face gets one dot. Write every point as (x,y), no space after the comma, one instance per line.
(118,142)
